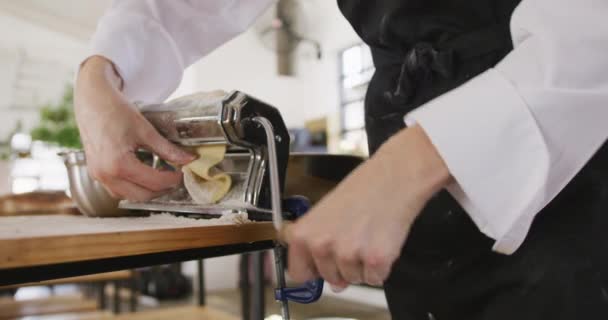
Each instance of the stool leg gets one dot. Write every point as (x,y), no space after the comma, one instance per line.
(201,282)
(101,295)
(134,292)
(116,303)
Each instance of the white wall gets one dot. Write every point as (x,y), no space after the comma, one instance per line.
(37,63)
(246,64)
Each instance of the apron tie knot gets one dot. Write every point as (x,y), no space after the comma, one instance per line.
(422,62)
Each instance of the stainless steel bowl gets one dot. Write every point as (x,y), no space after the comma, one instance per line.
(89,195)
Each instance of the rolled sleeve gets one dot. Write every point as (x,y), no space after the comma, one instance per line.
(493,149)
(516,135)
(144,54)
(152,42)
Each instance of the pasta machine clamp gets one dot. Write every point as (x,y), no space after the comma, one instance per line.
(298,206)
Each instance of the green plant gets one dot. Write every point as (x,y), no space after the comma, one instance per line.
(57,123)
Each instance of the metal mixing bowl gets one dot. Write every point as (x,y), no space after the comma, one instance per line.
(89,195)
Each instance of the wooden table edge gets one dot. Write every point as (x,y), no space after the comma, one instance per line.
(30,252)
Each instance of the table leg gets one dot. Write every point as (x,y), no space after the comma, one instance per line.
(258,292)
(245,287)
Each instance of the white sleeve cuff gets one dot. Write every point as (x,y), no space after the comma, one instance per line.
(495,151)
(136,44)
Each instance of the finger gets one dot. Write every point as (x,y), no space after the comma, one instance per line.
(149,178)
(126,190)
(328,269)
(156,143)
(372,277)
(301,267)
(377,268)
(326,264)
(284,234)
(350,266)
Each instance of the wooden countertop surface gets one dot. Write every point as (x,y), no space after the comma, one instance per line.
(27,241)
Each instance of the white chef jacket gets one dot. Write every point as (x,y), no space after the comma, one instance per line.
(512,137)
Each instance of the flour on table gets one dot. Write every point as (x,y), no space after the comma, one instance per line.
(36,226)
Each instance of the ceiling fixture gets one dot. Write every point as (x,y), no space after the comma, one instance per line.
(283,32)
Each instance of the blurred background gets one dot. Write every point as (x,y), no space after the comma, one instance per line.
(315,72)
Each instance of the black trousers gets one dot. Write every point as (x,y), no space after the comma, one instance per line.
(448,271)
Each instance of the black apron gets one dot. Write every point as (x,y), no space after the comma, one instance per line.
(447,270)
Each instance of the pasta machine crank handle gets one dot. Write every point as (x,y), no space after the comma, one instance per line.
(311,291)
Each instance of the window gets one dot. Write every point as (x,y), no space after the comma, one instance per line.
(356,70)
(38,168)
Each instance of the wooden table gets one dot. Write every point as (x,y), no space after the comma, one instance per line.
(36,248)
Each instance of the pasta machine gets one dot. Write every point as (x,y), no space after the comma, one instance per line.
(257,142)
(256,159)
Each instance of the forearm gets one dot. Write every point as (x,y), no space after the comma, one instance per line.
(98,69)
(411,164)
(414,156)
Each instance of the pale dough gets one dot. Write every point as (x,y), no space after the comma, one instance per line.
(205,183)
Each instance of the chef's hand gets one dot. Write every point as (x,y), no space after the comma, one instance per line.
(355,234)
(112,129)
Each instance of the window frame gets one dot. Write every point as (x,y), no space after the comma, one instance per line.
(366,72)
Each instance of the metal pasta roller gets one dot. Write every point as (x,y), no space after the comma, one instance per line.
(246,126)
(256,160)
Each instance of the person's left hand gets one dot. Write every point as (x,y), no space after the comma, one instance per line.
(355,234)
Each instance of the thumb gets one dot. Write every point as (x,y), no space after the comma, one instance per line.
(284,235)
(168,151)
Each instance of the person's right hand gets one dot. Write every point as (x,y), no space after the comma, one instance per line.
(112,129)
